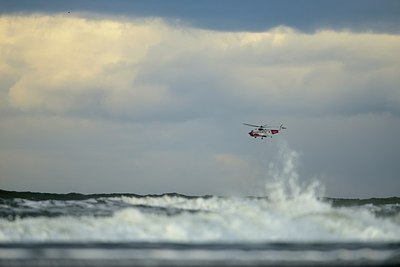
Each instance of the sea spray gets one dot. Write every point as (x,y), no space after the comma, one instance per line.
(283,181)
(295,203)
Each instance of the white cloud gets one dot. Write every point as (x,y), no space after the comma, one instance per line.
(136,67)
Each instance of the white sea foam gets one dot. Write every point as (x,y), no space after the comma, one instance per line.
(229,220)
(291,213)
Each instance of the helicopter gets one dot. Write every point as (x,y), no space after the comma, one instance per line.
(264,130)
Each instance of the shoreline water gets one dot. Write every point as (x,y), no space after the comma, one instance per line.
(202,254)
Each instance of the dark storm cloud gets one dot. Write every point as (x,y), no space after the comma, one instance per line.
(233,15)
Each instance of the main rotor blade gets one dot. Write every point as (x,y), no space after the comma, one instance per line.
(252,125)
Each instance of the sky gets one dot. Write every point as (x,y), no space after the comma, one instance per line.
(149,97)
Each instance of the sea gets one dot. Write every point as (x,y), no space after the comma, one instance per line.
(43,229)
(290,223)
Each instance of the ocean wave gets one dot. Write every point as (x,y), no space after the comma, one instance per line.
(179,219)
(290,212)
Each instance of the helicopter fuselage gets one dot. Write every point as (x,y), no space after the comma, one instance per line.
(263,133)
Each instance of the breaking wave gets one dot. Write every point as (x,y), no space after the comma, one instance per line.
(290,212)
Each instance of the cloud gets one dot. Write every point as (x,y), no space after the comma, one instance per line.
(61,63)
(149,68)
(231,160)
(99,104)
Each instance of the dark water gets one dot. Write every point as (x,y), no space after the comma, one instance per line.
(204,254)
(40,229)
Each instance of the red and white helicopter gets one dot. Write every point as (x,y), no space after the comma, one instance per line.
(264,130)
